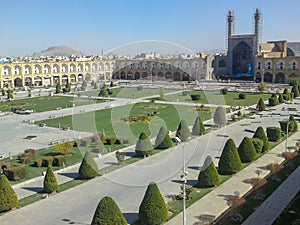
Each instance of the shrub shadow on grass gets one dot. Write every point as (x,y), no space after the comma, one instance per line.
(130,154)
(51,154)
(188,182)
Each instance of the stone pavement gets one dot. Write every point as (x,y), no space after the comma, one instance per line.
(214,203)
(271,208)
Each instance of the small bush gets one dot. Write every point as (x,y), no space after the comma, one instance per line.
(260,133)
(31,151)
(292,81)
(273,133)
(242,95)
(118,142)
(50,181)
(47,161)
(110,141)
(25,158)
(273,101)
(247,151)
(280,98)
(8,197)
(258,144)
(143,146)
(17,173)
(38,162)
(88,168)
(59,160)
(85,142)
(195,97)
(224,91)
(261,105)
(208,176)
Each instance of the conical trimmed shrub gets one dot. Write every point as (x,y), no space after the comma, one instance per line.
(50,181)
(230,161)
(163,139)
(153,210)
(280,98)
(247,151)
(108,213)
(261,105)
(88,168)
(8,197)
(198,127)
(183,131)
(220,116)
(260,133)
(295,90)
(286,94)
(143,146)
(258,144)
(208,176)
(295,123)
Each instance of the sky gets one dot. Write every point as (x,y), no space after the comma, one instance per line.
(29,26)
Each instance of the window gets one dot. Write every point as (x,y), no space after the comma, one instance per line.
(259,65)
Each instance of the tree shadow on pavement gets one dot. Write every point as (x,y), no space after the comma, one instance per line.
(131,217)
(33,189)
(70,175)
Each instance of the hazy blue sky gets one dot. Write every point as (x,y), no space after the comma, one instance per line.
(28,26)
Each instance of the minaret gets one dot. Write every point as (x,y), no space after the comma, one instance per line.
(230,24)
(257,28)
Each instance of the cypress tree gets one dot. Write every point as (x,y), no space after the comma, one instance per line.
(50,182)
(88,168)
(183,131)
(198,127)
(8,197)
(153,210)
(108,213)
(260,133)
(286,94)
(220,116)
(261,105)
(208,176)
(230,161)
(280,98)
(143,146)
(247,150)
(163,139)
(295,90)
(295,127)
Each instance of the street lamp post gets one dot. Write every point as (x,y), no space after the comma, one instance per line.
(287,128)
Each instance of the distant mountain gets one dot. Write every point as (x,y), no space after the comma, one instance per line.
(58,51)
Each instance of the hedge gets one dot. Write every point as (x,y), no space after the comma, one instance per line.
(59,160)
(224,91)
(7,165)
(17,172)
(195,97)
(47,161)
(273,133)
(38,162)
(31,151)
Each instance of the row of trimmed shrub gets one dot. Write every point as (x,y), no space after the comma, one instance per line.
(58,160)
(27,157)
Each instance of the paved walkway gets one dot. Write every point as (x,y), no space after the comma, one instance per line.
(214,204)
(271,208)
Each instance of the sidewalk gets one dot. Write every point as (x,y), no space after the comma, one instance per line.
(214,203)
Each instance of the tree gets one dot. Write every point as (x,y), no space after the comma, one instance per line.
(50,182)
(295,127)
(10,94)
(88,168)
(103,91)
(220,116)
(163,139)
(153,210)
(260,133)
(3,91)
(183,131)
(208,176)
(280,98)
(111,84)
(261,87)
(120,156)
(247,151)
(108,213)
(287,95)
(57,88)
(162,93)
(198,127)
(261,105)
(295,90)
(64,148)
(230,161)
(67,87)
(143,146)
(8,197)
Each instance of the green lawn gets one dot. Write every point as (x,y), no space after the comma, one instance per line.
(129,92)
(110,120)
(42,104)
(214,97)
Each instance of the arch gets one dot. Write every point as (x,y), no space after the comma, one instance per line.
(72,78)
(144,75)
(160,75)
(88,77)
(123,75)
(279,78)
(87,67)
(101,66)
(168,76)
(107,67)
(56,79)
(17,70)
(186,77)
(268,65)
(18,82)
(64,68)
(38,81)
(80,77)
(37,69)
(6,70)
(46,69)
(72,67)
(241,57)
(280,65)
(130,75)
(28,81)
(290,52)
(195,65)
(64,79)
(80,67)
(268,77)
(55,68)
(94,67)
(27,69)
(185,65)
(176,76)
(116,76)
(137,75)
